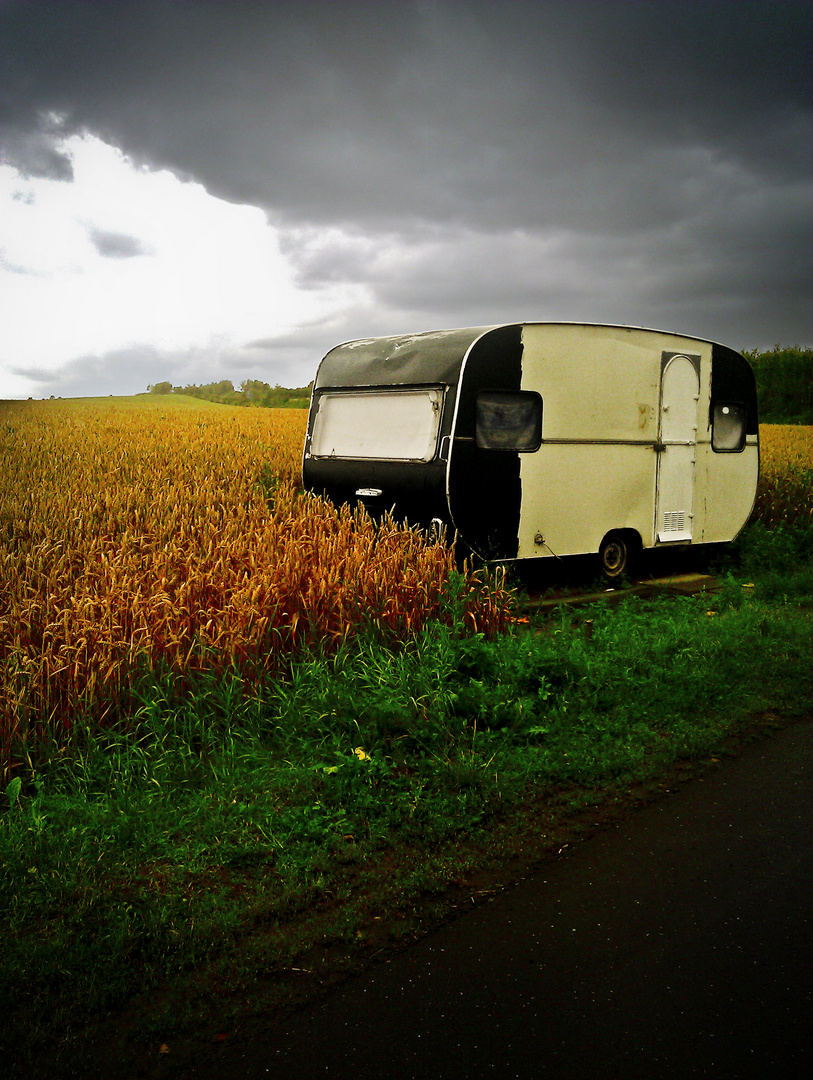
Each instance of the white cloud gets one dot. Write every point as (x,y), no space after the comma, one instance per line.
(124,256)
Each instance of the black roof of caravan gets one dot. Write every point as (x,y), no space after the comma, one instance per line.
(435,357)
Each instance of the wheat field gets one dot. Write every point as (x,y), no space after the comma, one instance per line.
(785,491)
(166,533)
(171,534)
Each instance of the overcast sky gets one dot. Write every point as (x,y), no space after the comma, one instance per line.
(196,190)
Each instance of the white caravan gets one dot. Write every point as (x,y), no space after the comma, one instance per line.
(535,440)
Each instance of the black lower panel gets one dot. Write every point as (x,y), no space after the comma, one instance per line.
(486,503)
(414,492)
(485,492)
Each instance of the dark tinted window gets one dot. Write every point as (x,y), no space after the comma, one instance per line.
(508,420)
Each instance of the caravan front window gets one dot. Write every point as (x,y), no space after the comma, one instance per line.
(508,421)
(387,424)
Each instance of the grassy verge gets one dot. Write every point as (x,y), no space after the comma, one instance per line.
(184,873)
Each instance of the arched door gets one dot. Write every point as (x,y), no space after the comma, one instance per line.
(674,500)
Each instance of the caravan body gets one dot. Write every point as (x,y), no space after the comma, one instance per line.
(530,440)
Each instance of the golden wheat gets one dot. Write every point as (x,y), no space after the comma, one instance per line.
(141,534)
(785,492)
(169,533)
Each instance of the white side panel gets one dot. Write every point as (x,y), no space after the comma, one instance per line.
(574,494)
(727,485)
(595,470)
(596,382)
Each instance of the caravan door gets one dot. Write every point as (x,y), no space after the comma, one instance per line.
(677,446)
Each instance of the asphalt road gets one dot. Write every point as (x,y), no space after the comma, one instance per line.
(676,944)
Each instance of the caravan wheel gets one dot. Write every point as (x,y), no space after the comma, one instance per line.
(615,555)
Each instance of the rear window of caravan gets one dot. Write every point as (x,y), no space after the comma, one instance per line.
(728,428)
(394,425)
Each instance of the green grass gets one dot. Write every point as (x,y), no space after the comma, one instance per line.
(229,834)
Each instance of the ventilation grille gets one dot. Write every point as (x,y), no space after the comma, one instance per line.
(674,521)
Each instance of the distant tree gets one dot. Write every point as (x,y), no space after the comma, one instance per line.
(220,391)
(252,392)
(160,388)
(784,377)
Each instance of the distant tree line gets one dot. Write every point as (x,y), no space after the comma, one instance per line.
(251,392)
(784,379)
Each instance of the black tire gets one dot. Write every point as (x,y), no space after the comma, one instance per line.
(615,555)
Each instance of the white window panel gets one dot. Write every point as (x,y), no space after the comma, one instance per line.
(391,425)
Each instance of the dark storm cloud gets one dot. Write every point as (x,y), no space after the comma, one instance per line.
(582,159)
(451,111)
(33,153)
(27,140)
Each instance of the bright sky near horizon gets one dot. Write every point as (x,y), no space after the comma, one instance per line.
(124,257)
(208,190)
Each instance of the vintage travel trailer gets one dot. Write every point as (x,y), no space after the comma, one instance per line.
(535,440)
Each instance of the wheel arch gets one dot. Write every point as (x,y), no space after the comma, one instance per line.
(618,551)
